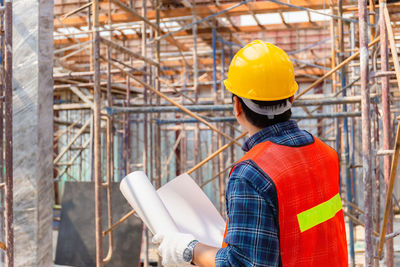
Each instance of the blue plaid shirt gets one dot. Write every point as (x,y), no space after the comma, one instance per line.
(252,204)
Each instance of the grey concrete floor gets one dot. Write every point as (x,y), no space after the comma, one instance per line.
(359,247)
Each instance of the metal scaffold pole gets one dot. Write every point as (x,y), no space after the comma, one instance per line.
(386,123)
(366,131)
(97,137)
(343,80)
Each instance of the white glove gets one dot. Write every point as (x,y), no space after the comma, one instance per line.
(172,246)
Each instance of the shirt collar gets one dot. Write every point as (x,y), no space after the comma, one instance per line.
(267,133)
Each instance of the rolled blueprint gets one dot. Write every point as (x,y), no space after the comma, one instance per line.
(143,198)
(192,211)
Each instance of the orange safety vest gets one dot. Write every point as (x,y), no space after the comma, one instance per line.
(311,223)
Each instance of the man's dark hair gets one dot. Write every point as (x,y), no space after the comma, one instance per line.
(262,121)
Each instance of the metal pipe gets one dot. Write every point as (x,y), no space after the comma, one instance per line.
(145,240)
(229,107)
(229,43)
(346,134)
(109,147)
(366,130)
(214,47)
(97,133)
(233,119)
(195,54)
(196,132)
(126,131)
(352,128)
(157,149)
(9,215)
(386,127)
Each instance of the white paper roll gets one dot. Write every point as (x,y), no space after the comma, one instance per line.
(192,211)
(143,198)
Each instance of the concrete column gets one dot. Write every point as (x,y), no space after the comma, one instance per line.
(33,131)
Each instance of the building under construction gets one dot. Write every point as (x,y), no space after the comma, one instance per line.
(92,90)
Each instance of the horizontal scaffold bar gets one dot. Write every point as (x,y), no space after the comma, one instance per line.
(228,107)
(295,117)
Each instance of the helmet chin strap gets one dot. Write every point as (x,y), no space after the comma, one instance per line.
(269,111)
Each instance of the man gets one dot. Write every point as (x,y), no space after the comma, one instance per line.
(283,202)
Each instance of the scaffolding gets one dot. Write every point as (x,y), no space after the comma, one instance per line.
(138,85)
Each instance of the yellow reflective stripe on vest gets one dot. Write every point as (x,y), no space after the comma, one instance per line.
(319,214)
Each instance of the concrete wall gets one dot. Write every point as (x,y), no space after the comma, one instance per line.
(33,131)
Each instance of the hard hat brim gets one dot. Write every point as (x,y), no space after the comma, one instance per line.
(292,91)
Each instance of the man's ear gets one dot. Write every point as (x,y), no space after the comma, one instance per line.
(237,106)
(291,99)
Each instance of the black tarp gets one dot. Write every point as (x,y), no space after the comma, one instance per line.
(76,244)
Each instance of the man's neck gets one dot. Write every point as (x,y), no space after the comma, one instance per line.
(253,130)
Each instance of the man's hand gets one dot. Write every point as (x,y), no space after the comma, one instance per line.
(172,246)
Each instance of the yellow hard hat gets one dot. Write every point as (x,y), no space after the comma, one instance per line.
(261,71)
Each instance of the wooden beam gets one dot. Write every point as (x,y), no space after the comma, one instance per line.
(255,17)
(202,11)
(207,31)
(283,19)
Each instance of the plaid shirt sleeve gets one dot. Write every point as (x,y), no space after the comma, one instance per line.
(253,232)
